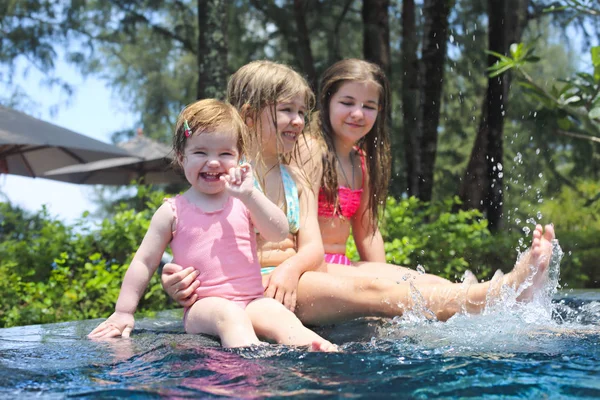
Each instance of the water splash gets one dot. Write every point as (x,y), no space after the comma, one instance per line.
(505,324)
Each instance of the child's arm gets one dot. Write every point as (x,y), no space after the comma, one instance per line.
(367,236)
(143,265)
(268,219)
(283,282)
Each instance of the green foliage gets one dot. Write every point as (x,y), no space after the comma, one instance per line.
(578,227)
(53,272)
(431,235)
(447,243)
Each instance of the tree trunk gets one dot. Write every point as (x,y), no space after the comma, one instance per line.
(410,98)
(212,49)
(304,52)
(376,37)
(435,13)
(483,184)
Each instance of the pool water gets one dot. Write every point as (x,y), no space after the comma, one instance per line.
(549,348)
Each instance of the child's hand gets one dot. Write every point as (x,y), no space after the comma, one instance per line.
(282,286)
(118,324)
(180,284)
(240,181)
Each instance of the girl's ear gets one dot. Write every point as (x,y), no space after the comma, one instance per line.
(245,113)
(180,160)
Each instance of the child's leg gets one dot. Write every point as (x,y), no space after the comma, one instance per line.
(274,322)
(386,271)
(446,300)
(222,318)
(326,298)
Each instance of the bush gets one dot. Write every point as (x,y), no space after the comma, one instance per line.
(54,273)
(432,236)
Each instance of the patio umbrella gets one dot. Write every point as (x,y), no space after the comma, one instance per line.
(31,147)
(149,161)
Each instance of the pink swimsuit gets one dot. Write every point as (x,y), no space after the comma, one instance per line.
(348,205)
(222,246)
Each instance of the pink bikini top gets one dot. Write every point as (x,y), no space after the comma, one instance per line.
(348,199)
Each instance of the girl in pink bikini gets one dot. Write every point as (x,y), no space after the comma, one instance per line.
(354,98)
(212,227)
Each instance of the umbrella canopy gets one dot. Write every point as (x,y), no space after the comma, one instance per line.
(149,161)
(31,147)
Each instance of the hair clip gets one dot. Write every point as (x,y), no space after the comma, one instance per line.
(187,131)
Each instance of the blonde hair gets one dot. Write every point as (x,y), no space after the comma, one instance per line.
(208,115)
(261,84)
(375,144)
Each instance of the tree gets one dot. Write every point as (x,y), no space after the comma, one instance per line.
(482,187)
(376,35)
(304,50)
(31,30)
(212,49)
(410,98)
(431,77)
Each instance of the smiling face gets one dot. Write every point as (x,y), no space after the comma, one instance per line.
(353,111)
(290,115)
(207,156)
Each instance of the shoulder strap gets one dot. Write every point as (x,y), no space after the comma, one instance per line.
(363,166)
(291,198)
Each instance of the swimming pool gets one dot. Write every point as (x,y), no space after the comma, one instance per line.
(524,353)
(549,348)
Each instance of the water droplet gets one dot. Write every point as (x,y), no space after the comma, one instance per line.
(518,158)
(420,269)
(539,215)
(537,151)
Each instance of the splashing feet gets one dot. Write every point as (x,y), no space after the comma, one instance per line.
(531,269)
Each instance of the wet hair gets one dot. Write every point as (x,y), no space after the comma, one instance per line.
(208,115)
(261,84)
(375,145)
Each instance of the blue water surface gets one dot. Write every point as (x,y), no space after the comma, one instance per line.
(512,352)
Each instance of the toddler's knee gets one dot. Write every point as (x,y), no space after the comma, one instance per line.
(231,315)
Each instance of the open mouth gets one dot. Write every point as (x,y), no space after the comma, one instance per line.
(289,135)
(211,176)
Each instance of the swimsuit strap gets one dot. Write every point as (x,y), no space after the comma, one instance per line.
(361,154)
(291,198)
(292,201)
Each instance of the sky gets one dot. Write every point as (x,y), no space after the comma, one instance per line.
(93,111)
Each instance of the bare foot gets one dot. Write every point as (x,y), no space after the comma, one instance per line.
(531,269)
(323,345)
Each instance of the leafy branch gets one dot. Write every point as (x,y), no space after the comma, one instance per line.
(578,99)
